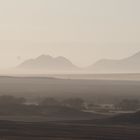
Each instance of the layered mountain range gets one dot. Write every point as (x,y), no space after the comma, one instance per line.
(61,64)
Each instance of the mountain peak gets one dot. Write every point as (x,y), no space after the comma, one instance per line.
(43,56)
(49,63)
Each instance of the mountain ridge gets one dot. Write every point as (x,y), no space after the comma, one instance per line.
(49,63)
(129,64)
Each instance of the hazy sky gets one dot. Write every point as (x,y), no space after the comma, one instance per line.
(81,30)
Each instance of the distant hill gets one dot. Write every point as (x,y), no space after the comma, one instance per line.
(48,63)
(127,65)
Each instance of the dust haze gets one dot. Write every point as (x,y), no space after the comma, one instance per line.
(69,70)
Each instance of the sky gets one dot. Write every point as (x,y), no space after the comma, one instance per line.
(83,31)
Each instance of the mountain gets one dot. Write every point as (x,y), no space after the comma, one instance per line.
(48,63)
(127,65)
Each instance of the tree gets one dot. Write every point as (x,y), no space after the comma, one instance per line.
(49,101)
(11,100)
(76,103)
(128,104)
(91,105)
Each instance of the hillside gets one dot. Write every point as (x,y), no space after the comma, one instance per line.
(127,65)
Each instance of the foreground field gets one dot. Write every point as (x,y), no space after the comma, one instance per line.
(66,131)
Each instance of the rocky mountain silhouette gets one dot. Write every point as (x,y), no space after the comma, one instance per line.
(49,63)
